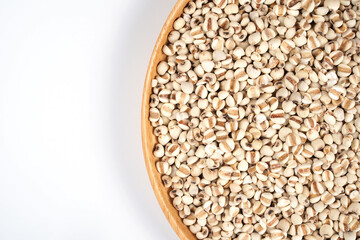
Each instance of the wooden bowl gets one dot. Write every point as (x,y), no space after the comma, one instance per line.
(148,138)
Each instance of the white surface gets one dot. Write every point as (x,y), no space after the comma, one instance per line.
(71,79)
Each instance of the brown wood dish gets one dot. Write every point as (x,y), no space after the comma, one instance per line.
(148,138)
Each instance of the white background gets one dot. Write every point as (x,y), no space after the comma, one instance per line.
(71,79)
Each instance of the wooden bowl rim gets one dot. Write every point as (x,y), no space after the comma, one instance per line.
(148,139)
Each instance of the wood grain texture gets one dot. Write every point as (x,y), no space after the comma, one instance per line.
(148,138)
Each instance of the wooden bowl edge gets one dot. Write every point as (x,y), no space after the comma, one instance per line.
(148,139)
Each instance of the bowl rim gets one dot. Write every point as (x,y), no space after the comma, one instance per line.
(148,138)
